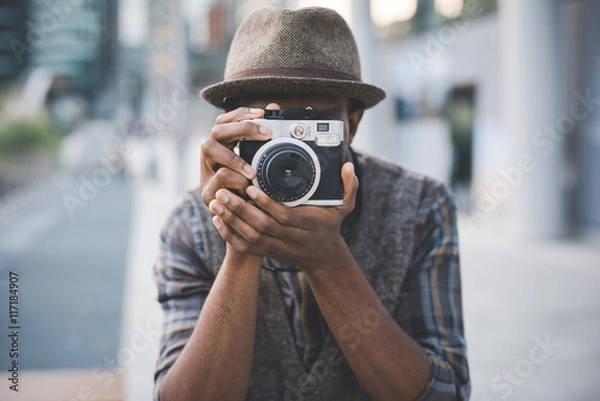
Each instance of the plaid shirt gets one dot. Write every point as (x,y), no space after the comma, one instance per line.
(432,287)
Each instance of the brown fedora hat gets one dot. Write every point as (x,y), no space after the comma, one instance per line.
(309,51)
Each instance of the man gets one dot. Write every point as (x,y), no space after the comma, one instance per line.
(374,311)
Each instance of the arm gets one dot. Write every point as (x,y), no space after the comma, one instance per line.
(212,359)
(388,362)
(433,335)
(216,361)
(188,367)
(385,359)
(434,296)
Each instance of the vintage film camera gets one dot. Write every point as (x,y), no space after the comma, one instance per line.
(301,163)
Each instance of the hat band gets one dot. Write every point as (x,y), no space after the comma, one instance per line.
(292,73)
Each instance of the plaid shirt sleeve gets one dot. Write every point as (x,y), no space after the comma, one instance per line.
(433,296)
(183,283)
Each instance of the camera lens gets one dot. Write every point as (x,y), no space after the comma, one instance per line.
(287,170)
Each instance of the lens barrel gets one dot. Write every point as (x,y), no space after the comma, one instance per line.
(288,170)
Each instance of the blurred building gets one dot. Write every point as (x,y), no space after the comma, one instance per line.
(64,54)
(76,40)
(499,99)
(13,53)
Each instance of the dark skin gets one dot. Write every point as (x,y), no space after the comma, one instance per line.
(386,360)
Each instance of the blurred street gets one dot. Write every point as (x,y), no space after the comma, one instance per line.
(70,274)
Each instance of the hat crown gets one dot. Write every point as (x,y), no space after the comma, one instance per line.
(303,41)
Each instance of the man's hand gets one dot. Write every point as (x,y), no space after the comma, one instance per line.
(220,166)
(304,236)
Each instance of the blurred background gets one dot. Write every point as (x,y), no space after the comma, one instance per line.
(100,128)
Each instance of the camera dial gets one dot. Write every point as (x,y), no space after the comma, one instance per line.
(299,131)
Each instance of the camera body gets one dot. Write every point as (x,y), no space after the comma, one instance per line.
(301,163)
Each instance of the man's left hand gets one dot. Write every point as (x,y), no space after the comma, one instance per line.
(304,236)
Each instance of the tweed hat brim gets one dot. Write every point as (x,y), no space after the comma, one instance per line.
(369,95)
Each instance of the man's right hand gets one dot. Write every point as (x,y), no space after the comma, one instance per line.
(220,167)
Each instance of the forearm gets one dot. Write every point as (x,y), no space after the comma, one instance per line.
(216,362)
(388,362)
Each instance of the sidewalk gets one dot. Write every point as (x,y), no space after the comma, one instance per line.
(153,199)
(531,313)
(64,384)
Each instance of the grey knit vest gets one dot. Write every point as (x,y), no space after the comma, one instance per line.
(381,242)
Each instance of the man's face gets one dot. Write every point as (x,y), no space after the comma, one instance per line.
(328,107)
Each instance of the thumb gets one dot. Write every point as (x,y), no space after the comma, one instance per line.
(350,181)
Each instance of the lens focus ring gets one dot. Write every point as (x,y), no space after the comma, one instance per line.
(288,170)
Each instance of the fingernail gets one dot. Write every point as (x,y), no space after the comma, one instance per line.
(217,222)
(256,111)
(216,208)
(252,192)
(222,196)
(249,170)
(265,131)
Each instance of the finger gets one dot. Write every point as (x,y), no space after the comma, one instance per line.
(230,133)
(230,236)
(214,155)
(350,181)
(234,221)
(284,215)
(241,235)
(240,114)
(236,210)
(224,178)
(273,106)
